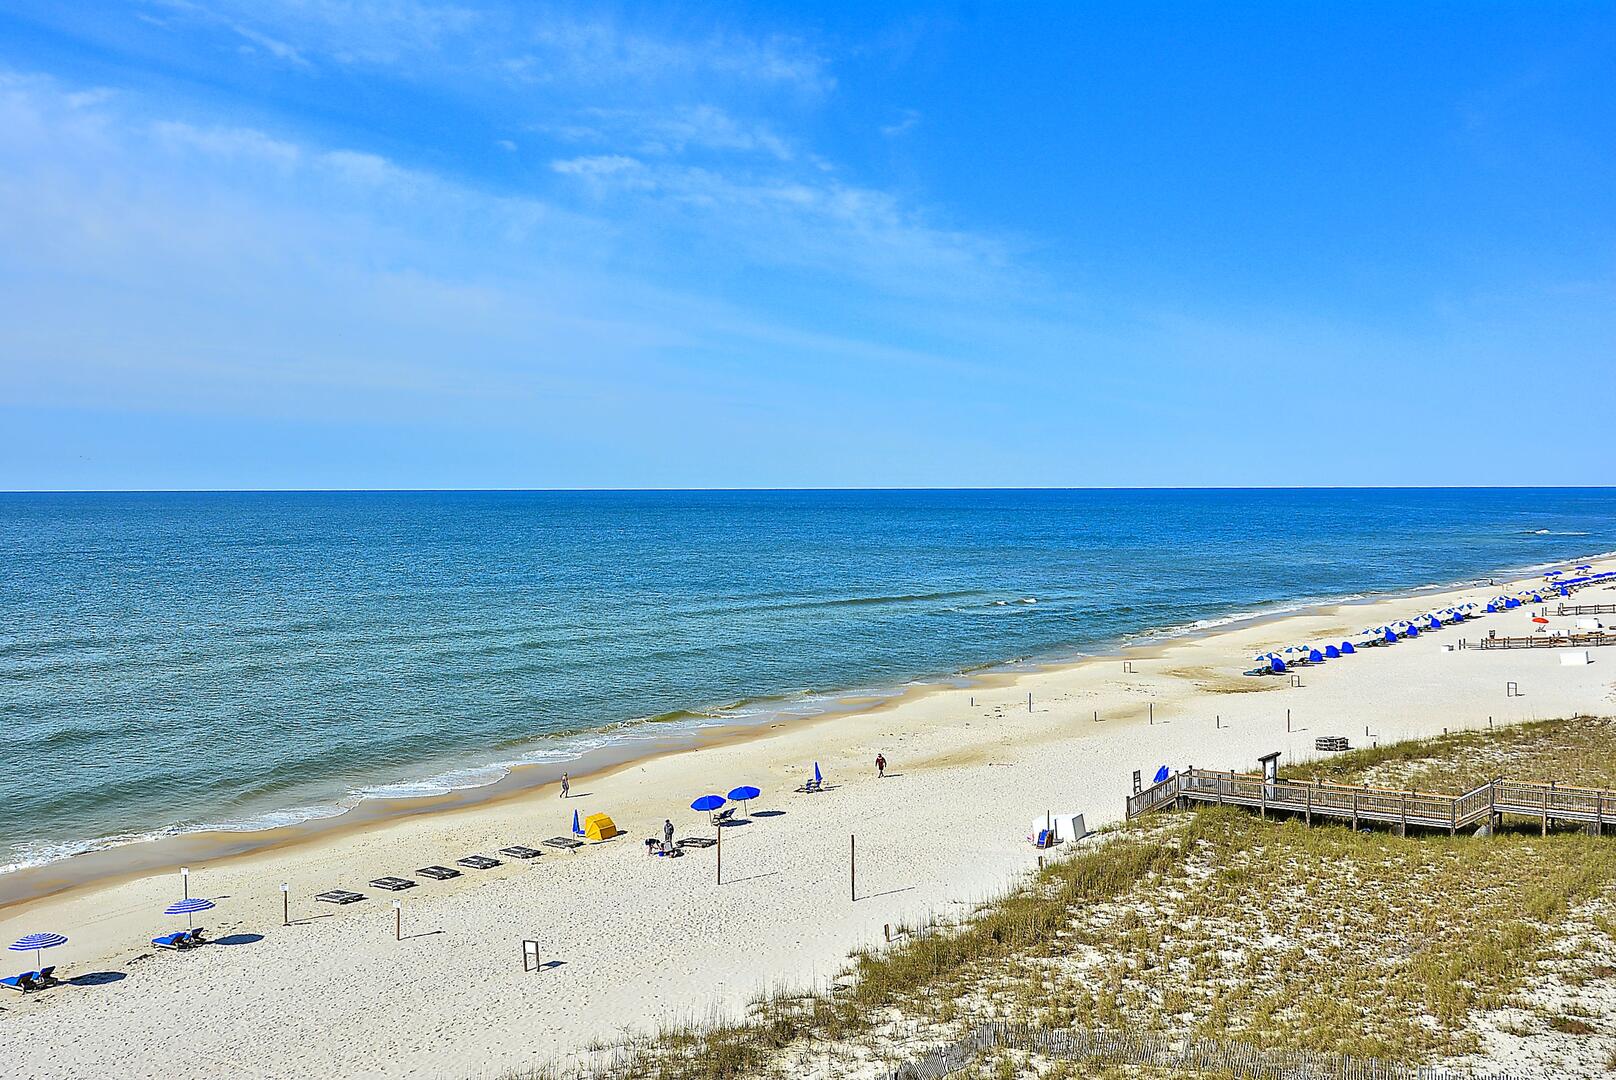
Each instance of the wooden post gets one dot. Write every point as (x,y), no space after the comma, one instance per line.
(1287,719)
(852,866)
(1354,811)
(1029,703)
(720,830)
(1403,799)
(1453,818)
(398,920)
(1262,799)
(286,904)
(1545,811)
(1152,707)
(1310,803)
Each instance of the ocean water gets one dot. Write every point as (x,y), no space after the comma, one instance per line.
(173,661)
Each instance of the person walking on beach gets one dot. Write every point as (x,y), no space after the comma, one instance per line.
(881,766)
(566,785)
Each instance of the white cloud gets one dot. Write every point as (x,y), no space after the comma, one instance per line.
(597,166)
(906,123)
(674,131)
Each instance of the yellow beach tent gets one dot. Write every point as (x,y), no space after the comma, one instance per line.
(600,827)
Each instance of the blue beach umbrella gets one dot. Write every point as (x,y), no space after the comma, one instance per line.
(1161,774)
(708,803)
(1565,592)
(744,794)
(577,829)
(34,943)
(189,907)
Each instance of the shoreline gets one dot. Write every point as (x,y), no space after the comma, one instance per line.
(651,941)
(122,861)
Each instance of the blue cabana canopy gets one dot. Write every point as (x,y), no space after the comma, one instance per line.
(1315,657)
(1347,648)
(1277,665)
(1331,652)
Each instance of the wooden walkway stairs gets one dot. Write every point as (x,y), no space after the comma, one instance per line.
(1487,804)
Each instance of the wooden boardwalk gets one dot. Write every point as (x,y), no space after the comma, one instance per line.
(1544,641)
(1586,609)
(1489,803)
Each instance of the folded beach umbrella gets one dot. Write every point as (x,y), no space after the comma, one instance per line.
(577,829)
(817,778)
(1161,774)
(34,943)
(189,907)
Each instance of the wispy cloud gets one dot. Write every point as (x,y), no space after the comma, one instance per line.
(674,130)
(904,124)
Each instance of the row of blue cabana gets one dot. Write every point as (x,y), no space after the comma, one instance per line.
(1282,660)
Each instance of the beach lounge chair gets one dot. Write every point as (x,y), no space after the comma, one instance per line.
(394,884)
(339,896)
(22,983)
(47,976)
(171,941)
(194,937)
(697,842)
(563,843)
(438,873)
(517,851)
(724,815)
(478,862)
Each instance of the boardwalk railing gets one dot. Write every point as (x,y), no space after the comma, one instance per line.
(1546,803)
(1188,1056)
(1586,609)
(1544,641)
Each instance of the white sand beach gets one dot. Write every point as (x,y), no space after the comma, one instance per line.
(632,941)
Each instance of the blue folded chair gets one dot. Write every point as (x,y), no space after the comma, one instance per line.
(170,941)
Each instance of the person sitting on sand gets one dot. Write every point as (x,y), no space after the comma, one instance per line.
(881,766)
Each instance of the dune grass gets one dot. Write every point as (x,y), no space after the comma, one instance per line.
(1223,925)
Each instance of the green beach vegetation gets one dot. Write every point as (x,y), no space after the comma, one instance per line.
(1219,925)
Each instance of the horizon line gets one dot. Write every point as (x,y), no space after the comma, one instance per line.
(805,489)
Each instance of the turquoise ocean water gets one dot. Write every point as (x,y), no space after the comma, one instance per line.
(173,661)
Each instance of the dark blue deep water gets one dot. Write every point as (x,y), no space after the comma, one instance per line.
(170,660)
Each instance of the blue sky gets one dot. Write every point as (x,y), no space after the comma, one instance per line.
(352,243)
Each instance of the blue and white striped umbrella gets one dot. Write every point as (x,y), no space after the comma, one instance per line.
(35,942)
(188,907)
